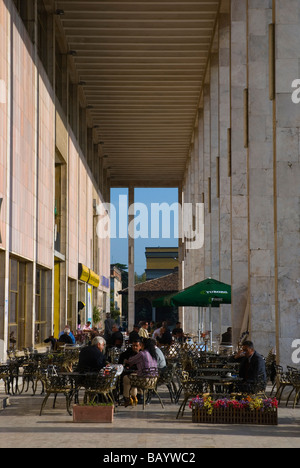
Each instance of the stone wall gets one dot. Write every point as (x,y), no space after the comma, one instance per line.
(248,120)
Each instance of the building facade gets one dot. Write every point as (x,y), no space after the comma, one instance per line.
(49,189)
(160,261)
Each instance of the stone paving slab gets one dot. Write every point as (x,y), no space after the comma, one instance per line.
(152,428)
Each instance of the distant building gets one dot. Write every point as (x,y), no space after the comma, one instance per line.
(161,261)
(147,292)
(115,287)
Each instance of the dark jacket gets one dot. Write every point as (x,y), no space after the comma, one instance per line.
(254,370)
(91,360)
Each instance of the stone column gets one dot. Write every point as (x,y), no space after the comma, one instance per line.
(131,295)
(239,193)
(286,177)
(261,189)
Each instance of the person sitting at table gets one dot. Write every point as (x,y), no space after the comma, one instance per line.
(92,358)
(131,351)
(65,337)
(134,334)
(116,339)
(87,327)
(166,338)
(143,331)
(178,332)
(227,337)
(252,368)
(70,334)
(145,359)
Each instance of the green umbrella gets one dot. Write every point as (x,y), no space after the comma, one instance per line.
(165,301)
(208,293)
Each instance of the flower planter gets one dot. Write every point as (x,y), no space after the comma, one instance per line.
(93,414)
(250,410)
(236,416)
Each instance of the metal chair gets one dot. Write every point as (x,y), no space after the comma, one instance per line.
(167,377)
(58,384)
(282,381)
(191,387)
(146,383)
(294,378)
(98,385)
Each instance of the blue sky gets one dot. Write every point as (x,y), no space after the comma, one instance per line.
(119,246)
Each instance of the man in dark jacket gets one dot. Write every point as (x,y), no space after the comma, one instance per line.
(252,368)
(91,358)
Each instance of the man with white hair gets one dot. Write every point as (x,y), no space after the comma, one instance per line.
(92,358)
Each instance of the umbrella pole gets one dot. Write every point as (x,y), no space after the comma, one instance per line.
(210,326)
(199,324)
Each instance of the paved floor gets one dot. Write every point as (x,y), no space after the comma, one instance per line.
(155,428)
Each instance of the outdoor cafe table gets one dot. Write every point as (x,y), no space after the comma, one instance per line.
(215,380)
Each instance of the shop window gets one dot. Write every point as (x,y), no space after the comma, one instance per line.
(71,309)
(42,305)
(17,301)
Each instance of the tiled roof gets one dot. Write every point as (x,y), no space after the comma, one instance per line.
(165,284)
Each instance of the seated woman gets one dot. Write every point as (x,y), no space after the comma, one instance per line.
(145,359)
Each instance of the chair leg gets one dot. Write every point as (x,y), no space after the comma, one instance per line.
(159,398)
(44,403)
(181,409)
(68,403)
(288,399)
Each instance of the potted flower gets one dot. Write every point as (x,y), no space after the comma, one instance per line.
(93,413)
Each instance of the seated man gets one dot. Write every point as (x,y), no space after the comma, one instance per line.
(166,338)
(227,337)
(70,334)
(252,368)
(65,337)
(91,358)
(116,339)
(178,332)
(132,350)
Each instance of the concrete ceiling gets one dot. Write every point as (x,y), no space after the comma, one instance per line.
(143,64)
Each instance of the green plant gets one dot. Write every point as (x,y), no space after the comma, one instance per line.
(96,315)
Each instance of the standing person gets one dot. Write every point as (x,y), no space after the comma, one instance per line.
(108,324)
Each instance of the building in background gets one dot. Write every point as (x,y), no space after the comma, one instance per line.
(115,288)
(161,261)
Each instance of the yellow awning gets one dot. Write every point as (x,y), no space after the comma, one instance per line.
(88,276)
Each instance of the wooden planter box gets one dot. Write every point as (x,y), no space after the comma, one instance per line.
(236,416)
(93,414)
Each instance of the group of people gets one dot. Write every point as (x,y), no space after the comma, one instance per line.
(160,333)
(142,354)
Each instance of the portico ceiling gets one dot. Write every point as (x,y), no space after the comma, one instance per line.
(142,64)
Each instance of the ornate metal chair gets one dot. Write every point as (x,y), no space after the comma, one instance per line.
(282,381)
(191,387)
(146,383)
(58,384)
(167,377)
(98,385)
(294,379)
